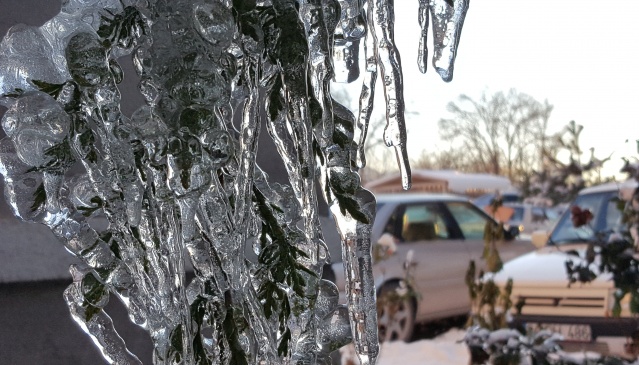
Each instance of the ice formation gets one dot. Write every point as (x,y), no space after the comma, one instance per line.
(177,181)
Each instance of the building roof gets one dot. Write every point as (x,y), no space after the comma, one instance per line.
(417,197)
(455,181)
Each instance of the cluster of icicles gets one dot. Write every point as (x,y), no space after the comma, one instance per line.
(141,199)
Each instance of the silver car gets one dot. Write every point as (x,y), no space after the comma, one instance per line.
(439,234)
(530,218)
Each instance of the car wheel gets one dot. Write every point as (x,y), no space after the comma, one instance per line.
(395,313)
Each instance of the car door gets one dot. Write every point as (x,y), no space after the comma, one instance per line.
(439,255)
(472,222)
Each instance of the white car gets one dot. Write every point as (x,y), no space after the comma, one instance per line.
(530,218)
(581,312)
(440,234)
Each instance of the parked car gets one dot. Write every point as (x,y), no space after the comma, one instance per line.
(440,234)
(506,197)
(529,218)
(582,313)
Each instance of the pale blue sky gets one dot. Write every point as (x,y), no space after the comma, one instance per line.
(580,55)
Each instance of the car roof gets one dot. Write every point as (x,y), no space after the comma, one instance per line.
(418,197)
(524,205)
(514,204)
(626,188)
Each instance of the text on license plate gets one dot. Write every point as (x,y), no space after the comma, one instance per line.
(570,332)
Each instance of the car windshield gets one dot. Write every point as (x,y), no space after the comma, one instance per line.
(606,219)
(518,214)
(552,214)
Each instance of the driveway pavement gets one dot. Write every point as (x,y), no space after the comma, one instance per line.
(37,329)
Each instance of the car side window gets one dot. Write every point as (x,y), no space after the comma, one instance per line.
(392,223)
(471,220)
(423,222)
(566,232)
(613,216)
(518,214)
(538,214)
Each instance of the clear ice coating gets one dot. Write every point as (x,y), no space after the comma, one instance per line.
(139,199)
(448,18)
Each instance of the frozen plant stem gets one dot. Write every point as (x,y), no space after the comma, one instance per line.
(177,180)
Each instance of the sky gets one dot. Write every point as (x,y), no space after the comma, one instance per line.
(580,55)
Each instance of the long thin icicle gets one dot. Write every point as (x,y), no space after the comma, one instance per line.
(448,18)
(391,71)
(367,95)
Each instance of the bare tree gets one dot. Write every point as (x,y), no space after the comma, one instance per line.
(450,159)
(500,133)
(560,181)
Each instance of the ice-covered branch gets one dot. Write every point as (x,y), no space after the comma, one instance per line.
(142,200)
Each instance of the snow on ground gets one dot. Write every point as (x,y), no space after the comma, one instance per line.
(445,349)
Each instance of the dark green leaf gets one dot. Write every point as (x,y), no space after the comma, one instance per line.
(276,102)
(87,142)
(88,211)
(303,268)
(616,308)
(73,106)
(136,233)
(120,29)
(243,6)
(238,357)
(93,290)
(146,265)
(16,93)
(87,250)
(115,248)
(185,178)
(39,198)
(350,205)
(90,311)
(176,348)
(106,236)
(60,159)
(116,71)
(198,310)
(282,348)
(201,357)
(51,89)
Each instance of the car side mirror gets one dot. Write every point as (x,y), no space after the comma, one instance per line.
(384,248)
(539,238)
(511,233)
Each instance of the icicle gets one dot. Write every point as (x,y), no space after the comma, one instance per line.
(448,18)
(389,60)
(85,304)
(318,18)
(180,176)
(360,284)
(350,29)
(244,182)
(367,96)
(423,19)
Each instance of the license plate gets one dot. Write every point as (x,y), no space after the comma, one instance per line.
(570,332)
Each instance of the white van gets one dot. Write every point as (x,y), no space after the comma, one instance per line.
(581,312)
